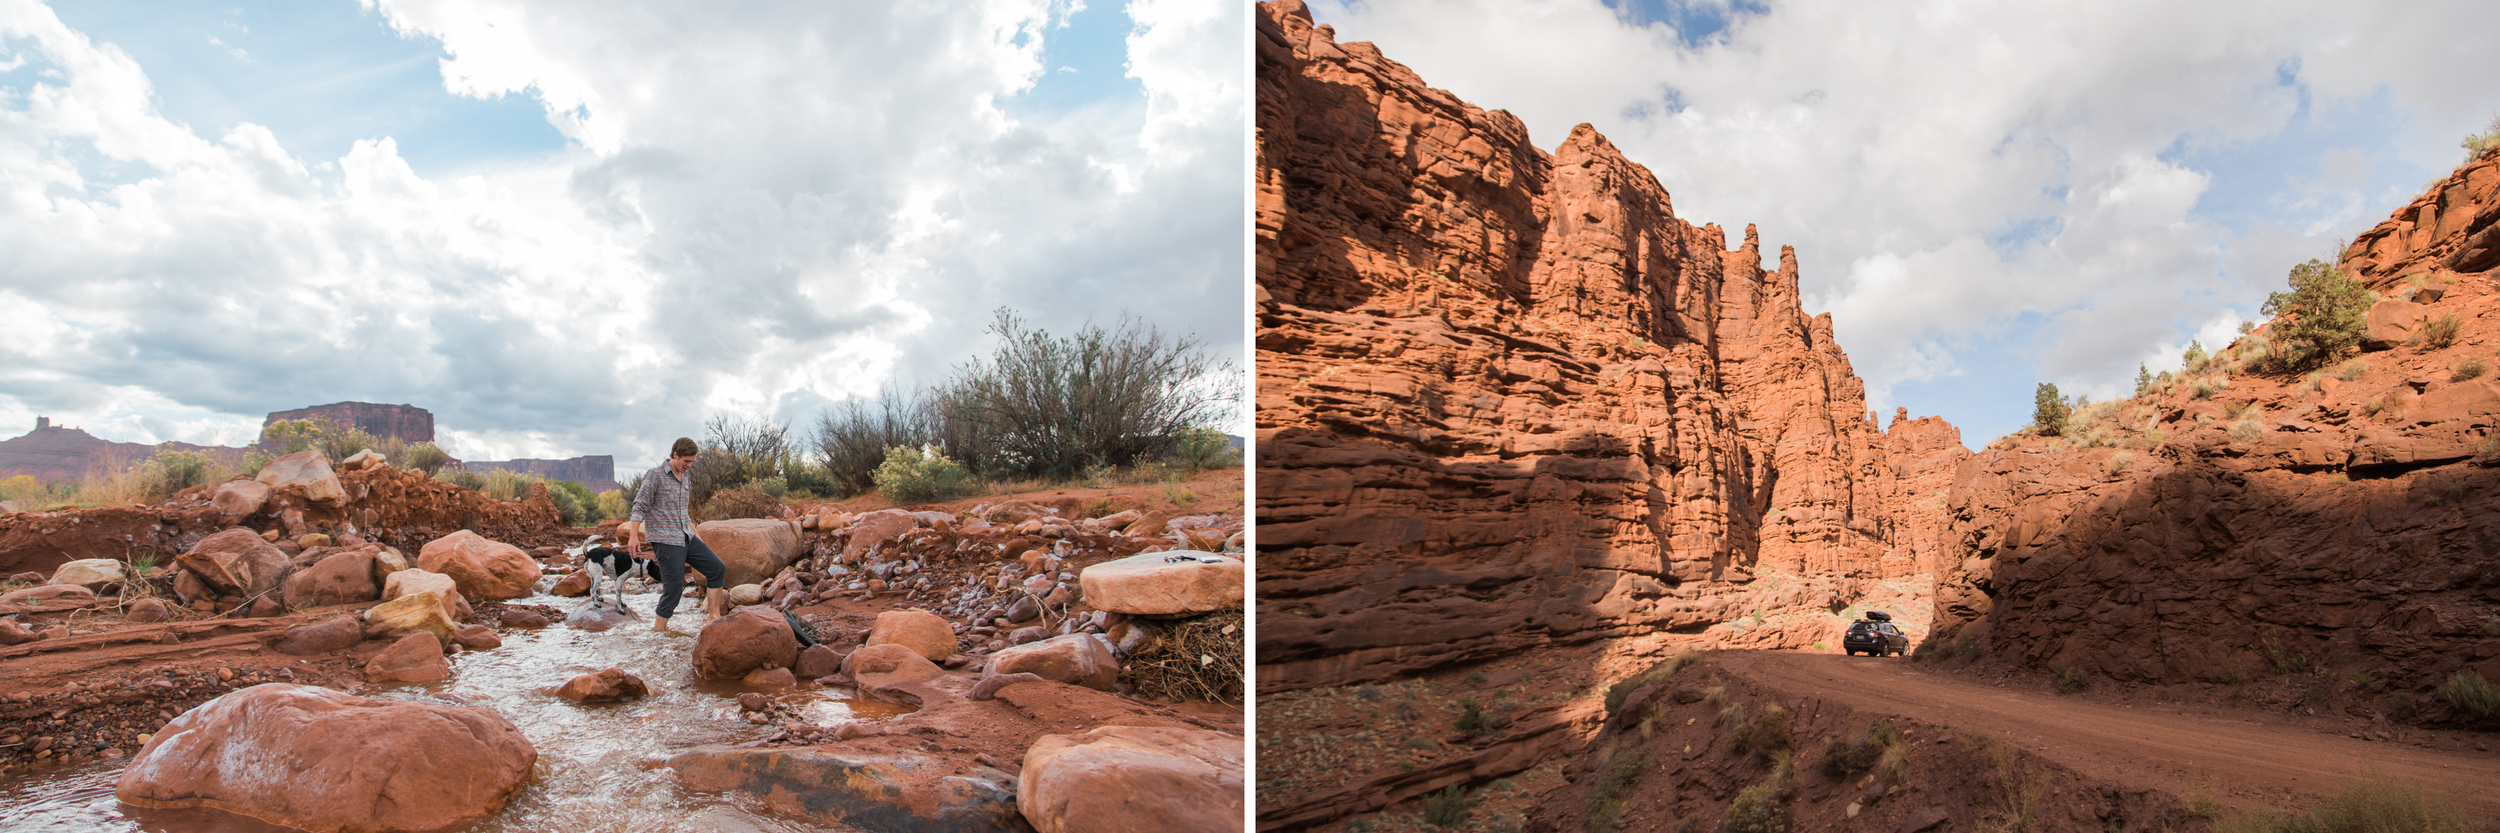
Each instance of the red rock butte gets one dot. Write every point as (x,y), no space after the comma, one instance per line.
(1508,399)
(408,423)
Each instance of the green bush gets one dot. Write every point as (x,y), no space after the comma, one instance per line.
(852,438)
(714,470)
(1448,809)
(774,486)
(1472,721)
(1851,758)
(425,457)
(462,478)
(506,484)
(910,475)
(615,503)
(1200,449)
(2472,696)
(1051,407)
(2049,410)
(2072,680)
(2320,319)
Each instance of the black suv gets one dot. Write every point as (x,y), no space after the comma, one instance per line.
(1875,635)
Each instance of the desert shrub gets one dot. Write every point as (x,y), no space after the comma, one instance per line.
(2370,807)
(339,443)
(425,457)
(714,470)
(2472,696)
(287,436)
(1048,406)
(774,486)
(505,484)
(2117,463)
(21,487)
(462,478)
(1613,786)
(2247,430)
(851,438)
(2476,144)
(2440,332)
(911,475)
(1198,658)
(170,471)
(1623,688)
(2143,379)
(1850,758)
(615,503)
(2320,319)
(1199,449)
(2194,360)
(253,462)
(579,505)
(2072,680)
(1762,807)
(2048,410)
(2350,370)
(2469,368)
(758,445)
(1448,809)
(742,502)
(1472,720)
(805,480)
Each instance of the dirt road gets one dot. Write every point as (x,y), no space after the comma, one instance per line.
(2147,746)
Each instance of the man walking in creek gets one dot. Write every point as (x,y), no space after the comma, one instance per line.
(660,515)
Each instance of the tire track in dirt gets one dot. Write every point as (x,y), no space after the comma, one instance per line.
(2143,746)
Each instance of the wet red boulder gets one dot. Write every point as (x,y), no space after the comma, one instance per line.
(1132,778)
(605,685)
(337,633)
(486,570)
(740,642)
(338,578)
(319,760)
(415,658)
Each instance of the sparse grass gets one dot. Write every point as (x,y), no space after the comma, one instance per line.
(2285,660)
(1845,759)
(2470,367)
(2020,787)
(1623,688)
(2072,680)
(2440,332)
(2117,464)
(2476,144)
(1762,807)
(1179,495)
(2472,696)
(1606,798)
(2372,807)
(2350,370)
(2247,430)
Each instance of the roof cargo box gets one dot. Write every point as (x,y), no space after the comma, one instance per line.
(1879,616)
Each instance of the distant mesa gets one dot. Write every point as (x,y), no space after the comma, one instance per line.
(56,454)
(407,423)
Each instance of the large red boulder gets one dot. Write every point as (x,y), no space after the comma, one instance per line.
(1132,778)
(338,578)
(1076,659)
(306,470)
(415,658)
(740,642)
(752,548)
(236,562)
(319,760)
(924,632)
(486,570)
(606,685)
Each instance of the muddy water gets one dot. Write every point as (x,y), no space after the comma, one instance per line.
(595,762)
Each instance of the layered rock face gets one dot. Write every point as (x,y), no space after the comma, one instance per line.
(1507,398)
(2241,521)
(597,471)
(409,423)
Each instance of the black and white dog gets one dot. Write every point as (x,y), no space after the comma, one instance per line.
(609,562)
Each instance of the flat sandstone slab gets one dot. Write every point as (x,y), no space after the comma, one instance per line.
(1164,583)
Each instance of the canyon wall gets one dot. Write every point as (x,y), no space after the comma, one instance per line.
(2240,520)
(1507,398)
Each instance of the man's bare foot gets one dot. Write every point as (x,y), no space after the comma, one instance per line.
(660,624)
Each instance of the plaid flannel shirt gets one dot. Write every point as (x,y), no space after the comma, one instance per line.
(661,506)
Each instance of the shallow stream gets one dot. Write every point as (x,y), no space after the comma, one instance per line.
(596,763)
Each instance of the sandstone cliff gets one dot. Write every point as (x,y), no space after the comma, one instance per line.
(2236,523)
(1508,399)
(57,454)
(596,471)
(408,423)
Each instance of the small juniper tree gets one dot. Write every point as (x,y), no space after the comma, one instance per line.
(2143,379)
(2321,318)
(2049,410)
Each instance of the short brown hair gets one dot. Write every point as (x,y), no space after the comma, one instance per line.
(683,447)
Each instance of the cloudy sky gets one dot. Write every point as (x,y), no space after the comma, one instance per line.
(1989,195)
(581,227)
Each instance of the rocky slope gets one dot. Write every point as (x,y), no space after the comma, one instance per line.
(1507,399)
(2235,522)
